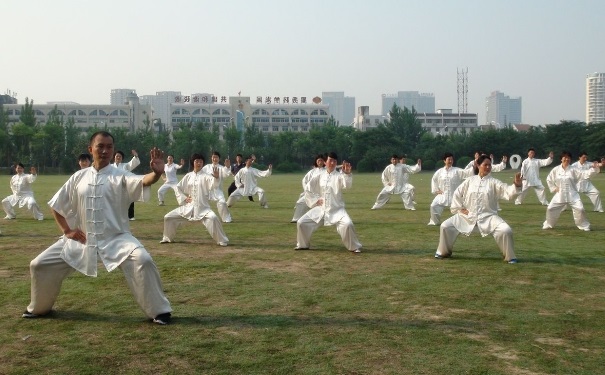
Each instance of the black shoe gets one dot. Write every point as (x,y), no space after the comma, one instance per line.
(250,198)
(163,319)
(29,315)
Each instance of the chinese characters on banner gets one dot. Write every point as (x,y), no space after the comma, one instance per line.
(223,99)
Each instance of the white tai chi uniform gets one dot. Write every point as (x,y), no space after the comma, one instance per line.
(98,201)
(530,173)
(563,182)
(245,180)
(585,186)
(198,186)
(300,208)
(171,181)
(395,179)
(21,185)
(329,187)
(216,194)
(445,180)
(132,164)
(480,197)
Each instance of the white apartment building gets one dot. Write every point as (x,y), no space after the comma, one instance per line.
(342,107)
(131,116)
(161,102)
(502,110)
(421,102)
(120,96)
(442,122)
(595,97)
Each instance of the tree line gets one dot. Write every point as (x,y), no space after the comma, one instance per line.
(54,145)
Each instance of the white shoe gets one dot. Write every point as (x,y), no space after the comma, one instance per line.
(222,244)
(356,251)
(8,217)
(161,203)
(132,219)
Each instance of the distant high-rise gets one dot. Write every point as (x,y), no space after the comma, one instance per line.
(595,97)
(120,96)
(502,110)
(421,102)
(160,102)
(341,107)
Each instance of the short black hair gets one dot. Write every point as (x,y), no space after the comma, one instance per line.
(85,156)
(194,157)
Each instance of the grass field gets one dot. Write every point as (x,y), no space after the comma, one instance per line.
(259,307)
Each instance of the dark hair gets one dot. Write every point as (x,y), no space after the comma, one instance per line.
(332,155)
(170,155)
(118,152)
(216,153)
(318,156)
(531,149)
(250,157)
(194,157)
(19,165)
(240,155)
(395,156)
(447,155)
(565,153)
(582,153)
(101,133)
(85,156)
(480,161)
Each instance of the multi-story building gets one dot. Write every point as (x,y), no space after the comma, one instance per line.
(421,102)
(442,122)
(502,110)
(131,115)
(342,107)
(595,97)
(160,102)
(120,96)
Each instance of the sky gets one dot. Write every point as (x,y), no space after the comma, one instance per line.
(79,50)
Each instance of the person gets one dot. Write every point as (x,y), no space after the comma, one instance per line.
(475,209)
(194,192)
(23,195)
(395,180)
(323,193)
(530,173)
(495,167)
(217,194)
(84,160)
(245,180)
(239,164)
(170,179)
(563,181)
(132,164)
(300,207)
(98,198)
(443,184)
(585,185)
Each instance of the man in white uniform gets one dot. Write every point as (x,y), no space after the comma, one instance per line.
(443,184)
(323,193)
(98,198)
(563,180)
(23,195)
(245,180)
(170,179)
(195,189)
(132,164)
(585,185)
(530,173)
(395,179)
(300,207)
(217,193)
(475,208)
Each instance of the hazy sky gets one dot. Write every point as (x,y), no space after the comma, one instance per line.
(78,50)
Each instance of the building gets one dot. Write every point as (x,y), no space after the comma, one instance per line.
(595,97)
(160,102)
(7,99)
(502,110)
(131,115)
(120,96)
(421,102)
(442,122)
(269,115)
(342,107)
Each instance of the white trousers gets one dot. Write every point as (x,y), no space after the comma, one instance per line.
(595,197)
(540,193)
(174,219)
(31,204)
(164,188)
(407,197)
(436,210)
(300,208)
(503,234)
(48,270)
(553,211)
(344,227)
(238,194)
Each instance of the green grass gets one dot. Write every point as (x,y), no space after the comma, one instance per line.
(259,307)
